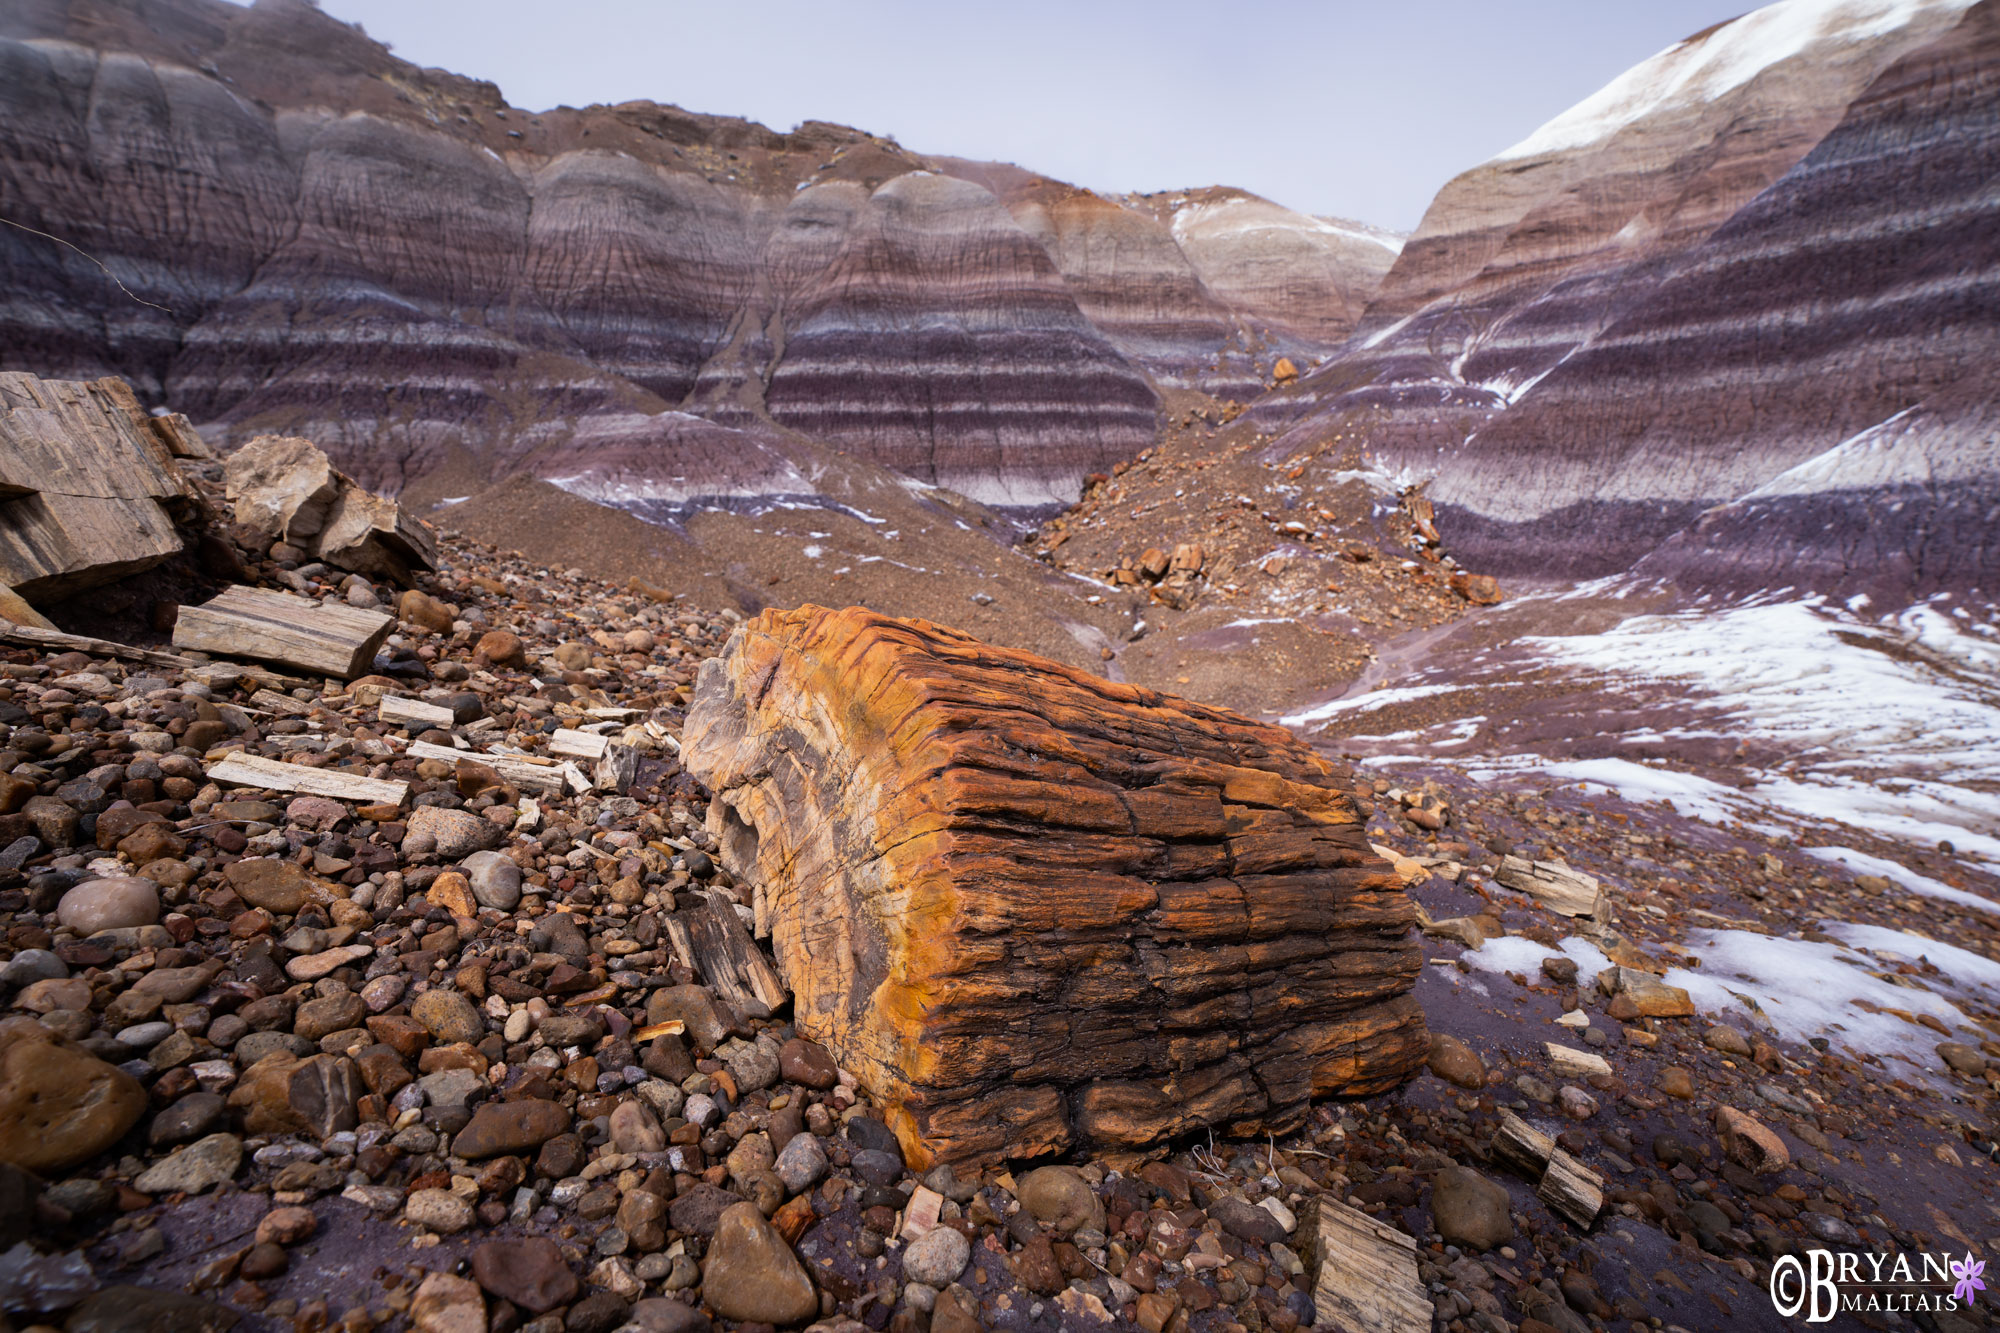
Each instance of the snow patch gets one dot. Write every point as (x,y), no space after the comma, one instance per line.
(1800,989)
(1518,953)
(1725,59)
(1865,864)
(1364,703)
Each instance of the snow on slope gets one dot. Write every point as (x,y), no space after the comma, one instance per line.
(1701,69)
(1892,727)
(1915,447)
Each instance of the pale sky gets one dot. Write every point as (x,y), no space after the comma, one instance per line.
(1329,106)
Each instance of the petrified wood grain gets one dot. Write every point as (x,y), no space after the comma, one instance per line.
(1365,1274)
(88,493)
(329,638)
(1032,908)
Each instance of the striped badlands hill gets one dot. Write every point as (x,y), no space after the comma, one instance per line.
(1758,272)
(320,238)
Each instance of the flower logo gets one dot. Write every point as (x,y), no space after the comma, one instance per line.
(1968,1271)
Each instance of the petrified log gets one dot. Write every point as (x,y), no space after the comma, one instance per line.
(1032,908)
(250,770)
(92,493)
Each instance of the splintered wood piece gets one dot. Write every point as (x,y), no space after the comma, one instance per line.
(398,711)
(1031,908)
(520,770)
(282,704)
(1554,885)
(249,770)
(574,744)
(1522,1146)
(1368,1280)
(617,769)
(1568,1062)
(28,636)
(1572,1189)
(268,626)
(711,940)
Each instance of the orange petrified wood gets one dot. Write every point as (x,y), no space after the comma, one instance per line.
(1031,908)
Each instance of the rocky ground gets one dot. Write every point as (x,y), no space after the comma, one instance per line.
(1306,565)
(285,1059)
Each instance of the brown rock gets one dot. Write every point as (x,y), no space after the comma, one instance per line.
(317,1018)
(448,1304)
(1727,1039)
(642,1217)
(957,1311)
(1061,1197)
(502,648)
(279,887)
(284,1094)
(59,1105)
(151,842)
(286,1225)
(807,1064)
(1749,1142)
(422,609)
(1646,996)
(750,1273)
(1962,1058)
(499,1128)
(1479,589)
(530,1272)
(1675,1082)
(1165,835)
(634,1129)
(111,903)
(1455,1062)
(14,793)
(448,1016)
(451,892)
(405,1035)
(114,825)
(1470,1210)
(1036,1267)
(457,833)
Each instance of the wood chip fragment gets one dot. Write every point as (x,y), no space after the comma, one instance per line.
(1554,885)
(1367,1280)
(396,710)
(1568,1062)
(248,770)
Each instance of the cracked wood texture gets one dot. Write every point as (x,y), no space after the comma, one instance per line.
(1033,909)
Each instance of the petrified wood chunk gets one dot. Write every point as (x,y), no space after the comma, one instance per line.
(1030,907)
(88,493)
(271,626)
